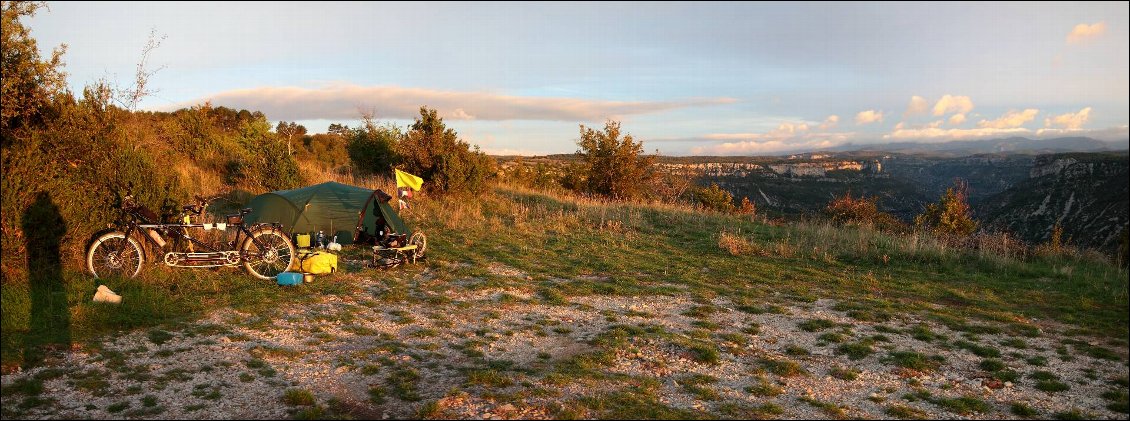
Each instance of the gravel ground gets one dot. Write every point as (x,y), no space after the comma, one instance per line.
(231,365)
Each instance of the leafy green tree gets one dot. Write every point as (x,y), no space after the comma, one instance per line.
(951,216)
(614,165)
(434,152)
(29,83)
(288,132)
(372,147)
(715,198)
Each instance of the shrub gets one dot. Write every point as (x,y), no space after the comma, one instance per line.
(734,244)
(614,166)
(862,211)
(372,147)
(951,216)
(434,152)
(747,208)
(715,198)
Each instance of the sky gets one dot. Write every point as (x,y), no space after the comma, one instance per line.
(683,78)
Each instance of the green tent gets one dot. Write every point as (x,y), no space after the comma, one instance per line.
(334,208)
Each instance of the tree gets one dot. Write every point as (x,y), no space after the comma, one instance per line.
(951,216)
(338,129)
(372,147)
(29,83)
(288,131)
(614,166)
(747,207)
(131,96)
(434,152)
(715,198)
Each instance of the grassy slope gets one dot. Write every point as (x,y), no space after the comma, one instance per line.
(664,250)
(562,251)
(574,247)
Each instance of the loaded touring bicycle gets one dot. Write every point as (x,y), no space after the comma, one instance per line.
(261,248)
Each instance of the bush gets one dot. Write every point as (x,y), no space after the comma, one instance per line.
(372,147)
(862,211)
(715,198)
(614,166)
(951,216)
(747,208)
(434,152)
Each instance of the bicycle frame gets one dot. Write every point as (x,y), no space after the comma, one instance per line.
(180,231)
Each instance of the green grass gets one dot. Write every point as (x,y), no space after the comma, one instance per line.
(832,337)
(964,405)
(915,360)
(903,412)
(631,403)
(1073,414)
(117,407)
(762,388)
(797,351)
(298,397)
(1119,400)
(1052,386)
(404,384)
(1022,409)
(829,408)
(979,350)
(815,325)
(783,368)
(846,374)
(856,350)
(697,386)
(488,378)
(992,365)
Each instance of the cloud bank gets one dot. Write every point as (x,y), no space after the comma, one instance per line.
(343,101)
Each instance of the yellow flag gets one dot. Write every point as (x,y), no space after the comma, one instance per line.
(404,179)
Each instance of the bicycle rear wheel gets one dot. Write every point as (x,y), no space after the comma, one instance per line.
(112,254)
(267,253)
(421,242)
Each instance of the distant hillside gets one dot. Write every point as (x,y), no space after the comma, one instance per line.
(1086,194)
(989,146)
(987,175)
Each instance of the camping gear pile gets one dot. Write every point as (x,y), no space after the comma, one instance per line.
(319,217)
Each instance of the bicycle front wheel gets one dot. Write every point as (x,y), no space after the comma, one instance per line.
(267,253)
(113,254)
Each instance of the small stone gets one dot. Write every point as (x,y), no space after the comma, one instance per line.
(1007,384)
(507,408)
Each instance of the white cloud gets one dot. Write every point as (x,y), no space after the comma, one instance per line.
(917,106)
(765,144)
(788,136)
(1083,32)
(953,104)
(957,119)
(829,122)
(868,117)
(1110,134)
(341,101)
(943,135)
(1011,119)
(939,134)
(1070,121)
(460,114)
